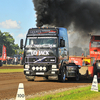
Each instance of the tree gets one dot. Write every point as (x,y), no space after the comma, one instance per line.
(8,40)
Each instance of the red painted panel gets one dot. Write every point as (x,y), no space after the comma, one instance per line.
(90,69)
(76,60)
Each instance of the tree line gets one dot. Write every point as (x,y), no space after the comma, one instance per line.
(8,40)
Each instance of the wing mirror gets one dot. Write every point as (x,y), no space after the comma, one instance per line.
(21,44)
(62,43)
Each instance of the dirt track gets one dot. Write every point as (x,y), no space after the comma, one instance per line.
(9,84)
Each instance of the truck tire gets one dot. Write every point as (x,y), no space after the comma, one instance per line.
(95,70)
(62,76)
(0,63)
(77,76)
(30,78)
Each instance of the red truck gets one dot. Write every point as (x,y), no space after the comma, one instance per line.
(94,48)
(90,64)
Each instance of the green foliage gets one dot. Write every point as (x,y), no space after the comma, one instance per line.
(7,40)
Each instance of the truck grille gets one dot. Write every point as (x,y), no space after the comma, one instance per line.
(40,59)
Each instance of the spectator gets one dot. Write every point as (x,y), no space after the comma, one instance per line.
(8,60)
(20,60)
(15,60)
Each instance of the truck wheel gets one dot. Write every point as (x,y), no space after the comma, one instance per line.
(95,71)
(77,76)
(0,63)
(30,78)
(62,76)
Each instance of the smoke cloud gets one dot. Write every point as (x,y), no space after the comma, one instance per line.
(85,16)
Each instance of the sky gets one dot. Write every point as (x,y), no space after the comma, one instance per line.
(16,17)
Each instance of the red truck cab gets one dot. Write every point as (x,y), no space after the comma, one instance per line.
(94,49)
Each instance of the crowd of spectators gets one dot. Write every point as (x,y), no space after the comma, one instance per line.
(13,60)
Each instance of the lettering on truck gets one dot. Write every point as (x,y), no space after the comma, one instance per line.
(39,52)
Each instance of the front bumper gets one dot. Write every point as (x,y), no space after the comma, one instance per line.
(41,73)
(41,69)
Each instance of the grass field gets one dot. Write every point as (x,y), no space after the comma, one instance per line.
(83,93)
(12,65)
(10,70)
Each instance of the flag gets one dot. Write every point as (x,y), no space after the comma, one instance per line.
(4,54)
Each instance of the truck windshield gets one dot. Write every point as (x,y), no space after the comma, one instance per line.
(95,44)
(41,42)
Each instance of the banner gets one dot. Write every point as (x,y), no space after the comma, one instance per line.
(4,54)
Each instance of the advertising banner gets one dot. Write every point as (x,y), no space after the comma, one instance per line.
(4,53)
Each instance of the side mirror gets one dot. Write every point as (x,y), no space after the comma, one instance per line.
(21,44)
(62,43)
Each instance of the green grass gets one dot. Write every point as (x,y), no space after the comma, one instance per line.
(10,70)
(83,93)
(12,65)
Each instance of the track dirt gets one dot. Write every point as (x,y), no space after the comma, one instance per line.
(9,84)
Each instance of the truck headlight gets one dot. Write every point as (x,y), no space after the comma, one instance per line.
(37,68)
(27,66)
(98,64)
(33,68)
(44,68)
(54,66)
(27,72)
(40,68)
(52,59)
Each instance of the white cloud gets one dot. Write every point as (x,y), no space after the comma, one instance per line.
(12,34)
(18,37)
(21,35)
(9,24)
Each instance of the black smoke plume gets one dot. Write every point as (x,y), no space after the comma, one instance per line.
(61,13)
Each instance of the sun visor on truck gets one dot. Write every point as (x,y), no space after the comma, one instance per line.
(42,32)
(95,38)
